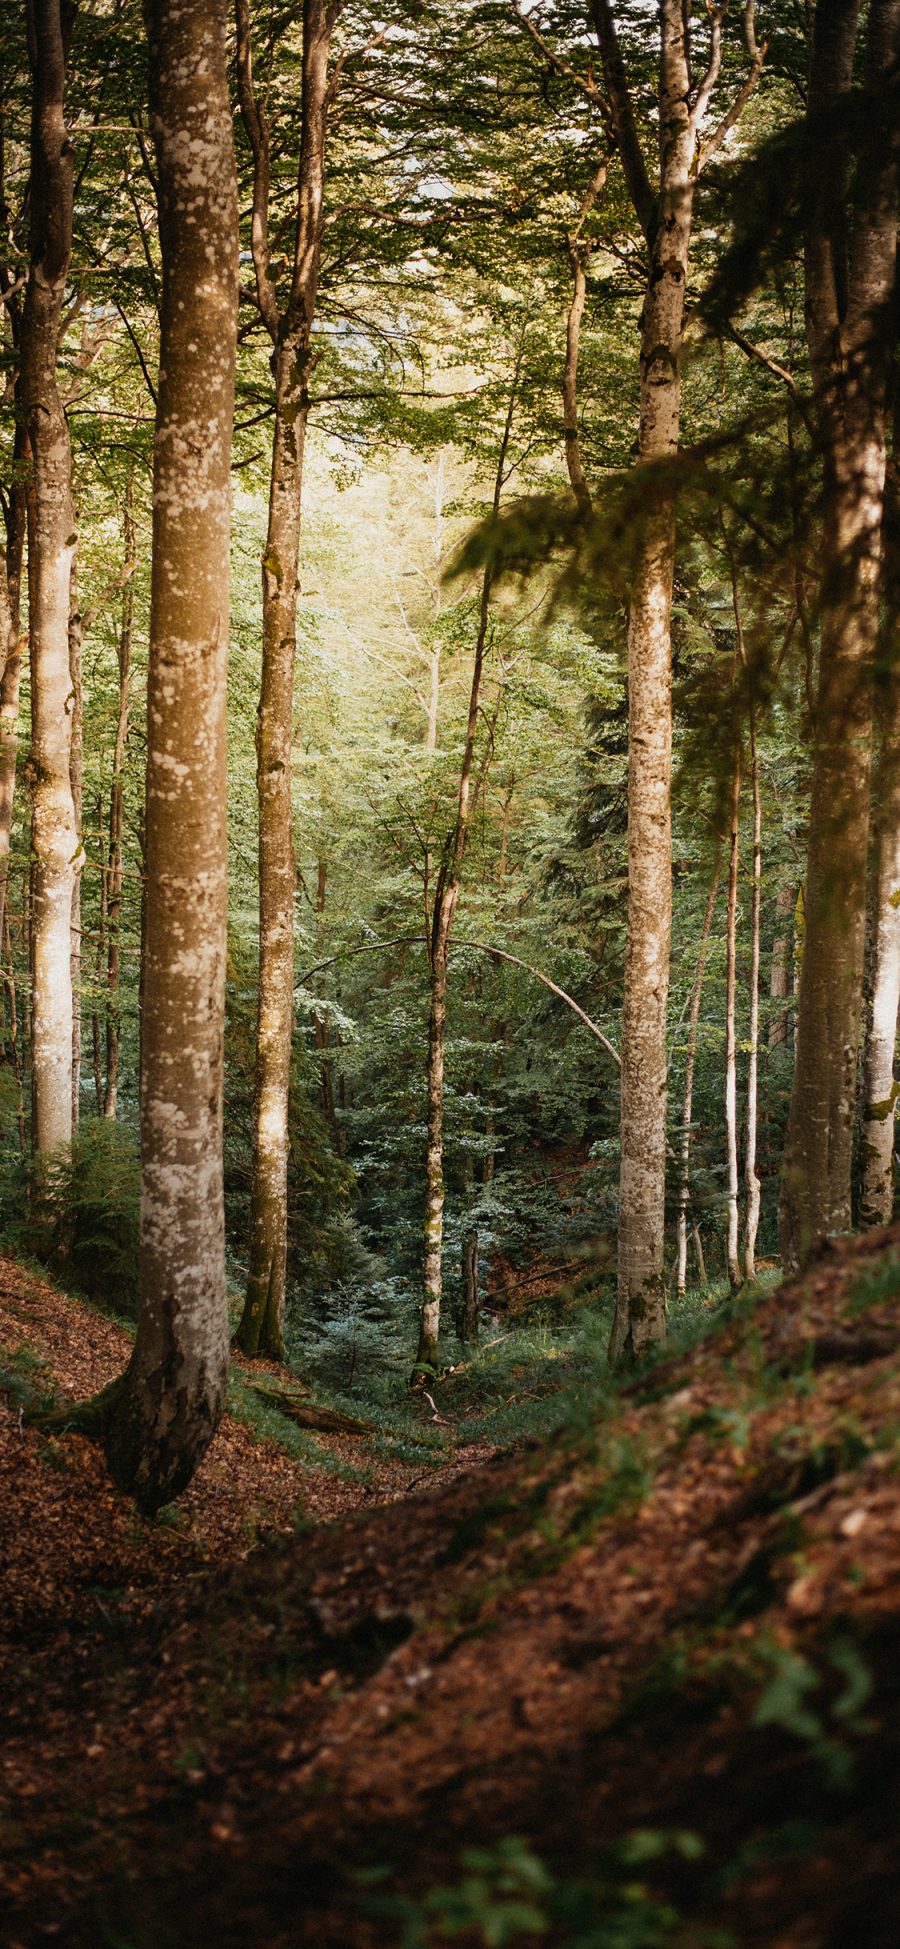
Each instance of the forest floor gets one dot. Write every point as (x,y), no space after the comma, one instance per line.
(649,1671)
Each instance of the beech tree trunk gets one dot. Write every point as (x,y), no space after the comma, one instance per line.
(877,1150)
(113,879)
(11,651)
(163,1413)
(847,293)
(51,543)
(640,1316)
(731,1145)
(666,218)
(76,780)
(261,1329)
(684,1191)
(751,1174)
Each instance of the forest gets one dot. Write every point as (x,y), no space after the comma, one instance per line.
(449,973)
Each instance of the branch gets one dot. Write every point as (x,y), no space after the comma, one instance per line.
(496,954)
(256,126)
(732,115)
(585,83)
(769,364)
(622,117)
(704,92)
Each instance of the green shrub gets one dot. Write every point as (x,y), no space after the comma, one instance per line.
(79,1215)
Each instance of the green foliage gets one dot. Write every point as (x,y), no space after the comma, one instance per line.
(786,1701)
(507,1895)
(878,1282)
(78,1214)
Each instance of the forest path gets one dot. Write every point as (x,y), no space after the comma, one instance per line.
(68,1534)
(681,1620)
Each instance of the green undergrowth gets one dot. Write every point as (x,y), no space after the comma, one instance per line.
(878,1283)
(507,1894)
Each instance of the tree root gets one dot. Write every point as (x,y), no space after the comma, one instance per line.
(92,1417)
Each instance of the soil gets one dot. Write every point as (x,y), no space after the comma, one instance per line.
(672,1634)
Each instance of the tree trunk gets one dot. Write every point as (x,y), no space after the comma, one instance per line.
(76,780)
(751,1174)
(468,1311)
(845,308)
(51,544)
(261,1329)
(731,1146)
(877,1147)
(164,1412)
(640,1317)
(14,1031)
(684,1191)
(99,960)
(11,651)
(446,898)
(114,872)
(781,965)
(432,1275)
(320,1022)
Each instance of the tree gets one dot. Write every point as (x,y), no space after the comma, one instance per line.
(879,1088)
(261,1330)
(51,544)
(665,216)
(440,932)
(161,1415)
(850,258)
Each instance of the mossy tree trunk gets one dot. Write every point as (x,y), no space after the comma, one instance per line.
(159,1419)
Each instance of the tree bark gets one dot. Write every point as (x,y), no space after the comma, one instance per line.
(261,1329)
(665,218)
(11,650)
(114,870)
(640,1317)
(751,1174)
(847,293)
(163,1413)
(446,898)
(51,542)
(468,1311)
(684,1191)
(781,965)
(76,780)
(579,258)
(877,1146)
(731,1145)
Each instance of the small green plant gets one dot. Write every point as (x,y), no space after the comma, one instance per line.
(786,1700)
(506,1895)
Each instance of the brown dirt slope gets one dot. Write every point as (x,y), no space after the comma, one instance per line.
(664,1652)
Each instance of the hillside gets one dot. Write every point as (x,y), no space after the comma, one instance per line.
(650,1671)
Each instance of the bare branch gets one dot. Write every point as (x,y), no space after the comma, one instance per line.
(584,83)
(733,114)
(256,126)
(704,92)
(624,126)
